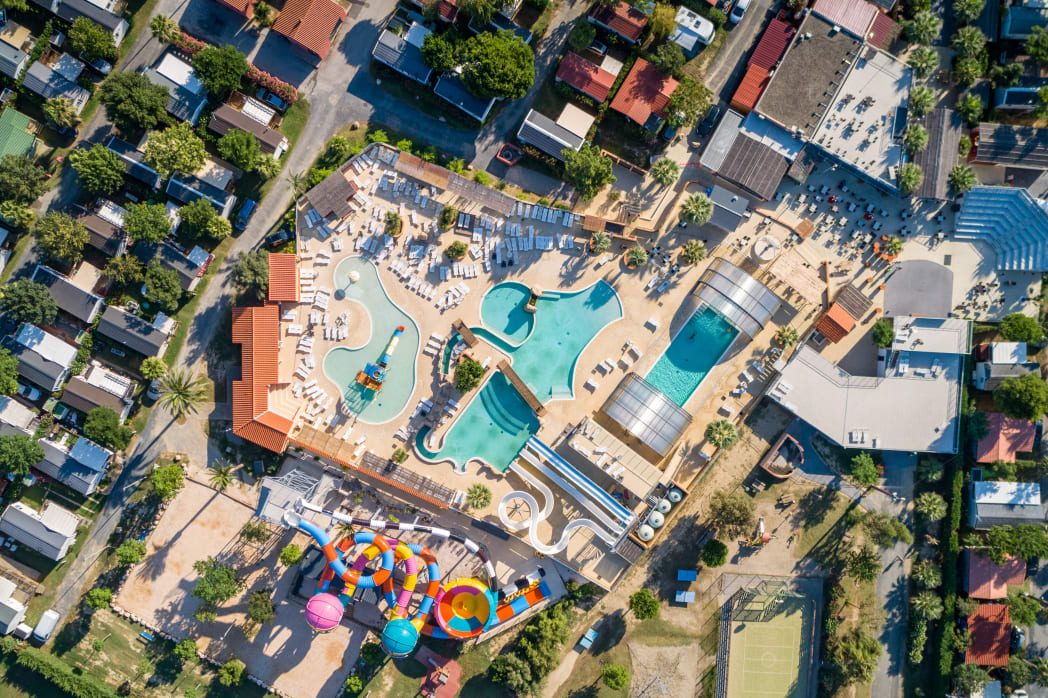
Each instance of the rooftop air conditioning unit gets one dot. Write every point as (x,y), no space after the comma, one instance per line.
(836,28)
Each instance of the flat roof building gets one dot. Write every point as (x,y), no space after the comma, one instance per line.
(49,531)
(404,53)
(1025,147)
(568,132)
(999,503)
(451,89)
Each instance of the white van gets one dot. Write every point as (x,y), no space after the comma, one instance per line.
(46,626)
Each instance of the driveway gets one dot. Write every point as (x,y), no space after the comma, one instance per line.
(1038,632)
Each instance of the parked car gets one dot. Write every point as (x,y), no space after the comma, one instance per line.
(102,67)
(47,624)
(277,239)
(28,392)
(271,99)
(1032,565)
(738,11)
(1018,639)
(246,209)
(710,121)
(153,393)
(669,133)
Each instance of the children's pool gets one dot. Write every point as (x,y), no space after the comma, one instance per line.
(341,364)
(698,346)
(545,345)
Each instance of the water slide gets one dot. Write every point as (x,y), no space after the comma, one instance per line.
(533,520)
(464,611)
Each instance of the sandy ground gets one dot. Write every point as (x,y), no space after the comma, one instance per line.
(665,671)
(285,653)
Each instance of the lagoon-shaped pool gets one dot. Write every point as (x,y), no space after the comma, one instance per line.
(342,363)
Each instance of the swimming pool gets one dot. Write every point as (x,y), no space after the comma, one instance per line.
(545,346)
(697,347)
(493,427)
(341,364)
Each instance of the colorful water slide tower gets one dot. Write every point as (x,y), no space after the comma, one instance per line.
(373,375)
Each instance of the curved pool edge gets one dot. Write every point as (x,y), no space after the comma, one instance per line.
(371,329)
(499,335)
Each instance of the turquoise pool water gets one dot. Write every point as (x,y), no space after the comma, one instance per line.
(341,364)
(691,355)
(494,426)
(563,325)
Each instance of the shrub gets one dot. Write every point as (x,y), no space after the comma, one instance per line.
(615,676)
(130,552)
(644,604)
(456,250)
(714,553)
(468,373)
(99,598)
(918,638)
(863,469)
(290,555)
(231,673)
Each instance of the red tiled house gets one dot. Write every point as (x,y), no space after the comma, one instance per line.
(310,25)
(244,8)
(447,10)
(283,278)
(991,632)
(586,77)
(644,95)
(1005,436)
(988,581)
(622,19)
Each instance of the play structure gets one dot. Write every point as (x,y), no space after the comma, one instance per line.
(461,609)
(374,375)
(760,536)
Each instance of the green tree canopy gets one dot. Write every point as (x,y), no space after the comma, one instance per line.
(133,103)
(697,208)
(182,392)
(8,372)
(146,221)
(856,654)
(201,220)
(478,495)
(102,425)
(100,170)
(21,180)
(1023,608)
(28,301)
(863,469)
(693,252)
(163,287)
(961,178)
(922,99)
(615,676)
(662,20)
(721,433)
(124,269)
(175,149)
(1022,397)
(439,53)
(98,598)
(482,10)
(910,177)
(915,139)
(587,170)
(969,42)
(930,505)
(291,555)
(131,552)
(231,673)
(511,671)
(971,108)
(242,149)
(668,58)
(167,480)
(967,11)
(220,68)
(665,172)
(732,513)
(217,583)
(582,35)
(690,100)
(967,70)
(260,607)
(883,333)
(1037,45)
(61,112)
(18,453)
(468,373)
(164,28)
(969,678)
(1023,540)
(923,28)
(927,575)
(497,65)
(644,604)
(714,553)
(863,564)
(924,60)
(251,274)
(58,236)
(92,40)
(1016,327)
(186,650)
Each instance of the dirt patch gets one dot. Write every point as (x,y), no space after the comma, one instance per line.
(667,671)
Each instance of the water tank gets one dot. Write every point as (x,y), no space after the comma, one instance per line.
(675,496)
(664,506)
(656,519)
(645,532)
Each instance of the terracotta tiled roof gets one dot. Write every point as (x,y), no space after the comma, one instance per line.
(241,7)
(623,19)
(644,92)
(988,580)
(1005,436)
(883,30)
(585,76)
(750,89)
(257,331)
(283,277)
(773,43)
(310,23)
(835,323)
(991,630)
(448,9)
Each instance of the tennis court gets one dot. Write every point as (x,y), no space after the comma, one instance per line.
(770,648)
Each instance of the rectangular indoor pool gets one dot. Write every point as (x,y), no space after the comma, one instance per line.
(697,347)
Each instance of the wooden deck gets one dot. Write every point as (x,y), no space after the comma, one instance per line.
(524,390)
(467,334)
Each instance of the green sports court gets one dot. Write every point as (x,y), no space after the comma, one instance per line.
(770,646)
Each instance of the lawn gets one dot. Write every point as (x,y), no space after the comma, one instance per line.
(696,68)
(585,676)
(401,678)
(111,649)
(54,573)
(423,98)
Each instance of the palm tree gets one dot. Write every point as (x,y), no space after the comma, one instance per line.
(721,433)
(910,177)
(221,475)
(967,10)
(697,209)
(924,60)
(962,178)
(600,241)
(927,605)
(665,171)
(915,139)
(478,496)
(60,112)
(299,182)
(922,99)
(787,336)
(182,392)
(164,28)
(923,28)
(636,257)
(969,42)
(893,246)
(693,252)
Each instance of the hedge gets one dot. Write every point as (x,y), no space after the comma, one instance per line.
(58,673)
(951,551)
